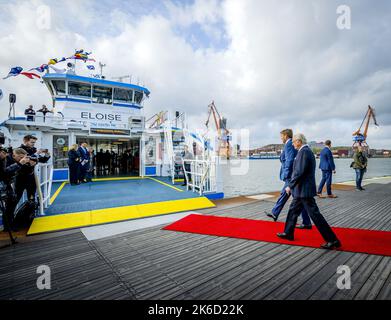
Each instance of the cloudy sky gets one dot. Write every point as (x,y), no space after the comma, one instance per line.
(266,64)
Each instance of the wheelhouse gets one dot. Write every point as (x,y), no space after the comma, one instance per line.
(69,87)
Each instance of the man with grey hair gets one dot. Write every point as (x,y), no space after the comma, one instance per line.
(287,158)
(303,188)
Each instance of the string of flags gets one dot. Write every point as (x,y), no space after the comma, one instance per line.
(78,55)
(15,71)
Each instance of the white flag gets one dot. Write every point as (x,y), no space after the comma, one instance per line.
(56,70)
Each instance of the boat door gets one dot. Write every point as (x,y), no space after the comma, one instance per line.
(151,154)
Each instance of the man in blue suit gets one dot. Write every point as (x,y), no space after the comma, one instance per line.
(287,157)
(84,161)
(327,166)
(303,188)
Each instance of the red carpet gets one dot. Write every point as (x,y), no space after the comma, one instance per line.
(353,240)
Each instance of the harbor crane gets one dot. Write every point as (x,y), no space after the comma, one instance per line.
(359,139)
(224,148)
(157,119)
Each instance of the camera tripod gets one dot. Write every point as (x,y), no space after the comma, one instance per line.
(2,209)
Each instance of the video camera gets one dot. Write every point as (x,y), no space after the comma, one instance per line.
(34,157)
(41,154)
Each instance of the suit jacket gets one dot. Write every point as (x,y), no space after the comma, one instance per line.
(73,157)
(326,160)
(302,181)
(84,154)
(8,169)
(286,158)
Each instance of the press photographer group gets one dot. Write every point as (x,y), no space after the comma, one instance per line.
(17,176)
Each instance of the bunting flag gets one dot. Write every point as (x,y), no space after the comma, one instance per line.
(15,71)
(42,68)
(1,94)
(52,61)
(81,55)
(30,75)
(55,61)
(56,70)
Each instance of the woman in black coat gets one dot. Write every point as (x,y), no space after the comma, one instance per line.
(74,165)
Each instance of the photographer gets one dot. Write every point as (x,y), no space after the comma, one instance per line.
(7,175)
(25,179)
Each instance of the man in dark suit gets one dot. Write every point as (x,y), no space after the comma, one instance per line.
(25,180)
(84,161)
(287,157)
(303,188)
(30,113)
(327,166)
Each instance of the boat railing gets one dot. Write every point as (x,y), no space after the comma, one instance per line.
(57,120)
(202,175)
(43,179)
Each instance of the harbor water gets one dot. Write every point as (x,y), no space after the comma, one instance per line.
(248,177)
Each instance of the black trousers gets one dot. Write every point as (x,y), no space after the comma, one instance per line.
(74,173)
(187,168)
(8,209)
(83,171)
(25,182)
(312,209)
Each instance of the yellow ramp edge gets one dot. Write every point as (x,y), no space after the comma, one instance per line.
(109,215)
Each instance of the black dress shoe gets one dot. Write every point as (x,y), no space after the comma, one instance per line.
(303,226)
(331,245)
(285,236)
(271,215)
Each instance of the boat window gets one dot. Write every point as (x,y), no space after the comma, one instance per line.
(123,95)
(138,96)
(59,86)
(60,151)
(102,95)
(79,89)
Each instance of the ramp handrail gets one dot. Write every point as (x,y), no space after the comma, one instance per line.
(43,173)
(202,173)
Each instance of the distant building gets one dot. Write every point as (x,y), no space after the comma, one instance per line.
(342,153)
(277,148)
(316,145)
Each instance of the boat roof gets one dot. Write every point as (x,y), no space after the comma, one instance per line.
(68,76)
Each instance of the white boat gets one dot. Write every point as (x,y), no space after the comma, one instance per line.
(264,155)
(108,115)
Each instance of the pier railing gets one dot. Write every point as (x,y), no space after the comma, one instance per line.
(43,180)
(202,175)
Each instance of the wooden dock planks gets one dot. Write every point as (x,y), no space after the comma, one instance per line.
(156,264)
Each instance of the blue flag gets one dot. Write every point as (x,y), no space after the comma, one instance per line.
(91,67)
(15,71)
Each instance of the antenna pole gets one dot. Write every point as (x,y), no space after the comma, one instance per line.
(101,66)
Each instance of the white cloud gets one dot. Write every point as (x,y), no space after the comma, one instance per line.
(285,65)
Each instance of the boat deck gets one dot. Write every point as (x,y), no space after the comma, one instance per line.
(113,192)
(108,200)
(151,263)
